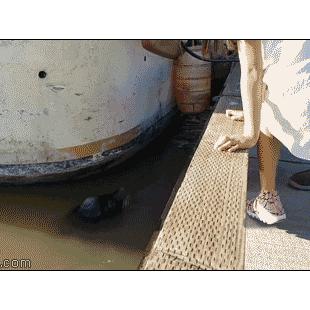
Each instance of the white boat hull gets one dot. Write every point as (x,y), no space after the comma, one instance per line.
(65,101)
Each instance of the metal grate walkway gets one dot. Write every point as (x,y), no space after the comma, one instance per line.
(204,228)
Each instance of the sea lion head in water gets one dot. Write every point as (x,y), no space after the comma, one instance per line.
(90,209)
(95,208)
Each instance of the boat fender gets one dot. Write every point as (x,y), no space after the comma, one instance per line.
(171,49)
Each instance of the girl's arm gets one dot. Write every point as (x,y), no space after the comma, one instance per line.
(252,96)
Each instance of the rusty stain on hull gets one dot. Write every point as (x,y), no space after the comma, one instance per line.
(92,148)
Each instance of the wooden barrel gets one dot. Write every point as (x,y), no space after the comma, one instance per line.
(192,83)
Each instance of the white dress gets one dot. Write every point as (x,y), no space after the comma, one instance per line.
(286,109)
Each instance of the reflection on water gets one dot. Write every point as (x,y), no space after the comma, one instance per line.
(36,222)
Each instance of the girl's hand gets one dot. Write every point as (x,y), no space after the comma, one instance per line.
(235,115)
(234,143)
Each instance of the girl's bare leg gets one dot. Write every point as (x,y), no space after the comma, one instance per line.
(268,149)
(267,206)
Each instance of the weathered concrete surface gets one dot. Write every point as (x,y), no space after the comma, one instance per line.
(64,99)
(285,245)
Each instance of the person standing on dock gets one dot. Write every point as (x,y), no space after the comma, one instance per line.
(275,90)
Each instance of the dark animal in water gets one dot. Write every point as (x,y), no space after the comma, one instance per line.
(93,209)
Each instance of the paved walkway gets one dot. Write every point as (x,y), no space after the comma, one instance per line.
(285,245)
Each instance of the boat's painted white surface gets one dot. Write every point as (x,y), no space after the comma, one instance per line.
(94,90)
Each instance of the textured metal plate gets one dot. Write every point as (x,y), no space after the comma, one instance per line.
(158,260)
(204,228)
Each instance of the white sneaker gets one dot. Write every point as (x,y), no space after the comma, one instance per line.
(267,208)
